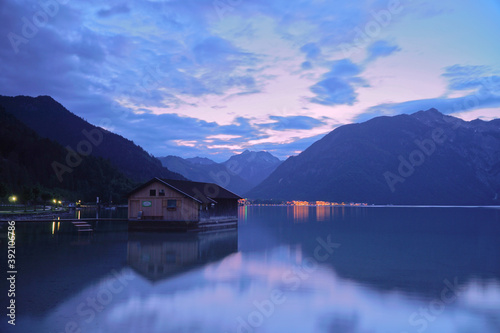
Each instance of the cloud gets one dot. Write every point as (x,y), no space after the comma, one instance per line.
(344,68)
(306,65)
(284,150)
(338,85)
(115,10)
(464,70)
(332,91)
(472,77)
(187,136)
(216,51)
(380,49)
(190,137)
(311,50)
(481,86)
(88,46)
(183,58)
(313,55)
(211,65)
(444,105)
(292,122)
(126,58)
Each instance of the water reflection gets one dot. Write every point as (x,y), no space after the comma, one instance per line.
(302,214)
(280,291)
(102,212)
(404,249)
(323,213)
(396,270)
(158,256)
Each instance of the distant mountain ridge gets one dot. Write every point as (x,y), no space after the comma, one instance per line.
(253,166)
(423,158)
(200,160)
(239,173)
(209,173)
(49,119)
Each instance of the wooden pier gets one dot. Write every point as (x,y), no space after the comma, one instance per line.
(82,226)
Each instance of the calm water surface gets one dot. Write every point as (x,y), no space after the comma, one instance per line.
(286,269)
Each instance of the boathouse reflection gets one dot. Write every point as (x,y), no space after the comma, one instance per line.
(158,256)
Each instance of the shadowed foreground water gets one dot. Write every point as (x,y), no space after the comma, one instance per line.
(286,269)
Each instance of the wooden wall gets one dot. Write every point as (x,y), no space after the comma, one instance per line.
(187,209)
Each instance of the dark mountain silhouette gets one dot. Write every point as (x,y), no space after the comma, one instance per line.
(51,120)
(27,161)
(423,158)
(239,173)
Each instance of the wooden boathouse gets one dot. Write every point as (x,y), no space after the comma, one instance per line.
(166,204)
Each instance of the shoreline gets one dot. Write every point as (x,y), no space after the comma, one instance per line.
(35,216)
(375,206)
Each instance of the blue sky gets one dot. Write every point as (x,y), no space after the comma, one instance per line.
(213,78)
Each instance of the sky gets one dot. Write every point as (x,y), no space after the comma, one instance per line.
(213,78)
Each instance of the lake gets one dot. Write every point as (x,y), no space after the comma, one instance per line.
(286,269)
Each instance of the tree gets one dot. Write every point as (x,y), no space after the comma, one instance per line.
(3,191)
(45,196)
(36,193)
(26,196)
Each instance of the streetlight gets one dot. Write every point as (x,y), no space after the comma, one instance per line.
(13,199)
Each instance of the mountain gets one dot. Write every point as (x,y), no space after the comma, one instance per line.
(22,165)
(51,120)
(238,174)
(423,158)
(200,160)
(207,172)
(253,166)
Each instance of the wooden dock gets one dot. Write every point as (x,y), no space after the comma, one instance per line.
(82,226)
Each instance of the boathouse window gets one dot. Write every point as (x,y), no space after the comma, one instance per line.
(171,204)
(161,193)
(152,193)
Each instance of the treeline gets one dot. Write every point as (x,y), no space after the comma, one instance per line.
(26,169)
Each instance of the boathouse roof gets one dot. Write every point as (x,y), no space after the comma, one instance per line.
(198,191)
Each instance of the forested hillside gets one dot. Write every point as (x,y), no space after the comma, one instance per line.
(29,164)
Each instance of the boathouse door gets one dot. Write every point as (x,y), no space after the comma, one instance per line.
(133,209)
